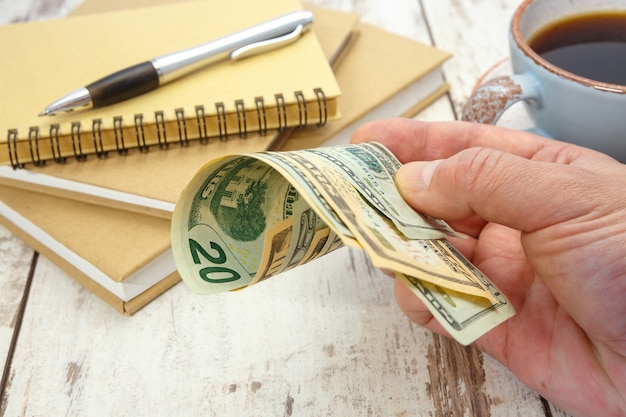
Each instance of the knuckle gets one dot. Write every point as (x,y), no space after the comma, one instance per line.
(482,171)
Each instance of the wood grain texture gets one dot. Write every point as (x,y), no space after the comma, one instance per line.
(16,264)
(476,33)
(320,340)
(25,10)
(326,339)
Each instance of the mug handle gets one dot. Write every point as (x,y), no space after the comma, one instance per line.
(491,99)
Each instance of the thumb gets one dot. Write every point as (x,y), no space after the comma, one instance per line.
(498,187)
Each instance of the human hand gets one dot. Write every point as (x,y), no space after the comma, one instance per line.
(547,224)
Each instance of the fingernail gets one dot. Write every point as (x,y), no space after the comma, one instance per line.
(415,176)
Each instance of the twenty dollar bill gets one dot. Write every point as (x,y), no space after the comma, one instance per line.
(245,218)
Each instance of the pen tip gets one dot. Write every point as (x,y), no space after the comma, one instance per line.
(44,113)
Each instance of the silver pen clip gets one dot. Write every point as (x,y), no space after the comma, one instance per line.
(267,45)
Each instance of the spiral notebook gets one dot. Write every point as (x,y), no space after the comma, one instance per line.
(402,76)
(292,85)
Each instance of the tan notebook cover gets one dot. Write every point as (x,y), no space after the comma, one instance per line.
(382,75)
(45,60)
(124,258)
(331,27)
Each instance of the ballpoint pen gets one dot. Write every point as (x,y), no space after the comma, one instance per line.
(147,76)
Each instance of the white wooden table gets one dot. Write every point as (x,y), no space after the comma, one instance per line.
(324,340)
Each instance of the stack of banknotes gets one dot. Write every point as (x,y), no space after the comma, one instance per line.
(245,218)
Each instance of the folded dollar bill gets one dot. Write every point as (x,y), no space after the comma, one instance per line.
(245,218)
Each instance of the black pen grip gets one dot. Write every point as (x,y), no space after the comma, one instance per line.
(124,84)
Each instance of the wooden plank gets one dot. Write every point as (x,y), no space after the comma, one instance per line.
(15,264)
(486,395)
(24,10)
(476,33)
(326,339)
(553,411)
(403,17)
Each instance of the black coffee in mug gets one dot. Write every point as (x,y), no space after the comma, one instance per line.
(590,45)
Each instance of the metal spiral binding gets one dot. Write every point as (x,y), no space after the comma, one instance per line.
(34,153)
(282,112)
(96,132)
(241,118)
(118,130)
(182,127)
(262,115)
(221,120)
(204,137)
(160,126)
(76,142)
(302,110)
(121,145)
(321,104)
(56,150)
(12,145)
(140,134)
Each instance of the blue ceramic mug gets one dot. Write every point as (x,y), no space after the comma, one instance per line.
(563,105)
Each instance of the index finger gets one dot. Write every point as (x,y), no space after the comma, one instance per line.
(411,140)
